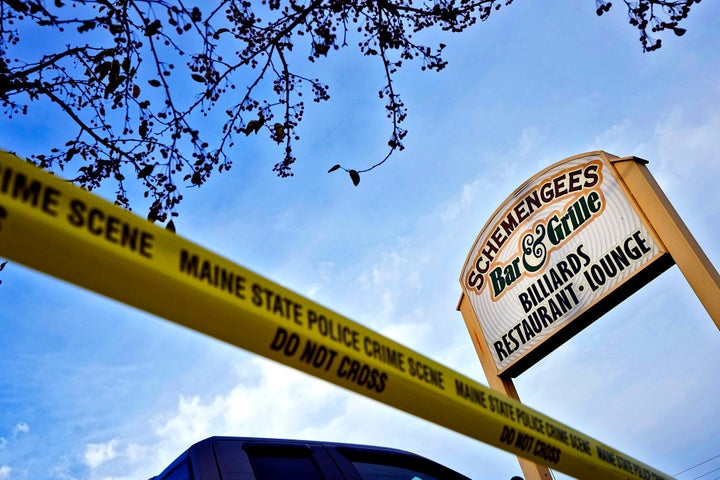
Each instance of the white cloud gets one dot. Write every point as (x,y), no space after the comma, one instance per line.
(690,143)
(5,472)
(96,454)
(684,161)
(466,200)
(312,290)
(284,403)
(267,407)
(386,280)
(20,427)
(611,137)
(62,470)
(530,139)
(683,144)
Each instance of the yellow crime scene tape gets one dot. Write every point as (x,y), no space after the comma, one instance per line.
(50,225)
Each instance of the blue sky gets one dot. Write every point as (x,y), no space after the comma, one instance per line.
(91,389)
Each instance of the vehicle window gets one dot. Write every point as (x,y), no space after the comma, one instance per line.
(283,464)
(374,464)
(374,471)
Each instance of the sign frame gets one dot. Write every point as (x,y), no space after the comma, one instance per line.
(587,218)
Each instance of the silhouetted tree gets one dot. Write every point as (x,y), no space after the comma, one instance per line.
(138,79)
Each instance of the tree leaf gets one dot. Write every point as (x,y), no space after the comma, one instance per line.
(154,83)
(355,177)
(334,167)
(170,226)
(198,78)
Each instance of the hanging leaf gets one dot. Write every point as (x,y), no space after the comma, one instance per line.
(355,177)
(154,83)
(198,78)
(170,226)
(333,168)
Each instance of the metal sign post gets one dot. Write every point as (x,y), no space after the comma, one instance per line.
(531,470)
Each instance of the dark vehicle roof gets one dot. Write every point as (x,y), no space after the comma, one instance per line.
(353,452)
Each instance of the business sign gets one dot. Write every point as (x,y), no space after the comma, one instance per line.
(558,253)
